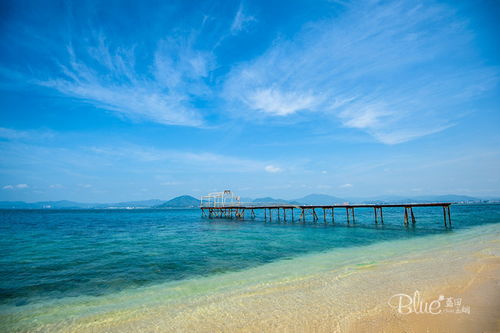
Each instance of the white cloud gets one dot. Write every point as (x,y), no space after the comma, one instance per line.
(14,134)
(272,169)
(280,103)
(170,183)
(241,20)
(107,78)
(395,136)
(200,160)
(85,185)
(385,68)
(11,134)
(366,116)
(56,186)
(346,186)
(19,186)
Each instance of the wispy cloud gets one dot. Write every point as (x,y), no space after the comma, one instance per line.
(107,77)
(272,169)
(395,70)
(171,183)
(202,161)
(14,134)
(18,186)
(280,103)
(241,20)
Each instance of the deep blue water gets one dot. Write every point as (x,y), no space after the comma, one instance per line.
(59,253)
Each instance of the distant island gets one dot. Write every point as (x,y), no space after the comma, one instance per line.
(187,201)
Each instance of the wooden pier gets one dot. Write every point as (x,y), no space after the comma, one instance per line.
(327,213)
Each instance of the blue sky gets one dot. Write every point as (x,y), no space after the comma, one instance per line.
(125,100)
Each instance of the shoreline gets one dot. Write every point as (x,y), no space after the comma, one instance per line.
(345,290)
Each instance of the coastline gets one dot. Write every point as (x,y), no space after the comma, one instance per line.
(345,290)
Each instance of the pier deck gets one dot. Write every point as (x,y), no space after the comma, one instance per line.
(238,210)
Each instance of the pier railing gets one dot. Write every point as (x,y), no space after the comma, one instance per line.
(244,204)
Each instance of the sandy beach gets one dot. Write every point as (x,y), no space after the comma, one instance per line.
(356,299)
(346,290)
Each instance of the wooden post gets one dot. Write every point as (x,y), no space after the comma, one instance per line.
(449,216)
(278,214)
(292,214)
(375,213)
(412,216)
(381,216)
(324,215)
(333,216)
(270,215)
(406,216)
(444,216)
(284,214)
(347,213)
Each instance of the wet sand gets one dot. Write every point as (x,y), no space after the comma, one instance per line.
(345,290)
(479,289)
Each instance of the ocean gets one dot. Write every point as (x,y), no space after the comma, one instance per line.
(66,259)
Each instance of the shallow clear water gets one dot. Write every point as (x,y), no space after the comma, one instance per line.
(50,254)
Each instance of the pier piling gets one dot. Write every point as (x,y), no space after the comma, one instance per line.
(238,212)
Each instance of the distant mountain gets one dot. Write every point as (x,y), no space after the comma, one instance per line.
(42,204)
(320,199)
(62,204)
(14,205)
(187,201)
(246,199)
(184,201)
(141,203)
(416,199)
(447,198)
(65,204)
(275,201)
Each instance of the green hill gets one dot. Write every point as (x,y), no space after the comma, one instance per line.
(184,201)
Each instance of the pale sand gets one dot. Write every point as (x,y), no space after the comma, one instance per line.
(480,289)
(342,291)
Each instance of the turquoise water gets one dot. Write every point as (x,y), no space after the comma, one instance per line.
(52,254)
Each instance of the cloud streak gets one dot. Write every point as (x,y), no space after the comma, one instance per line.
(19,135)
(202,161)
(107,78)
(241,20)
(18,186)
(394,70)
(272,169)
